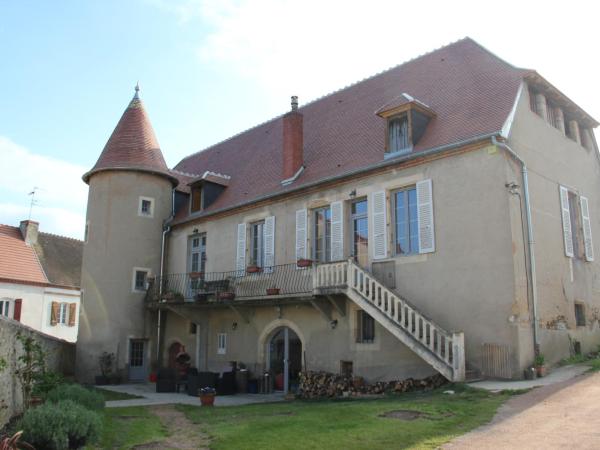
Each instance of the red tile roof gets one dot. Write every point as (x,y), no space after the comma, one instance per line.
(18,261)
(471,91)
(132,145)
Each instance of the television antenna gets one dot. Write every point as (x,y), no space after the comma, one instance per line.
(33,200)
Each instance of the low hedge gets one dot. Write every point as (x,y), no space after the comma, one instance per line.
(60,426)
(87,398)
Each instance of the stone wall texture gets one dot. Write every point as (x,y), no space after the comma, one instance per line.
(60,357)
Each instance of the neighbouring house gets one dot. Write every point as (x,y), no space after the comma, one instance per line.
(40,279)
(436,217)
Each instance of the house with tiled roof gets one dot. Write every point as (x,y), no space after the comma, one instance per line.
(437,217)
(40,279)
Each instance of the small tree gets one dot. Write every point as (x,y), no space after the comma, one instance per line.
(30,366)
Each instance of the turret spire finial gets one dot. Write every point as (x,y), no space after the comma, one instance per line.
(137,89)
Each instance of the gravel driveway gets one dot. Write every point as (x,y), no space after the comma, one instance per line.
(563,415)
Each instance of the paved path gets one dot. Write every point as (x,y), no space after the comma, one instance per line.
(557,375)
(151,397)
(561,415)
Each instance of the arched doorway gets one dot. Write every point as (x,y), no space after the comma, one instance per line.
(284,356)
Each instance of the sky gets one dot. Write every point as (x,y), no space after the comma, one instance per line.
(209,69)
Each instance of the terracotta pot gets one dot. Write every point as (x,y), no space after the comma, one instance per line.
(253,269)
(226,295)
(196,275)
(207,399)
(304,263)
(541,371)
(273,291)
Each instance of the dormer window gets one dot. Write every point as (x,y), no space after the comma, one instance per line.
(407,119)
(398,136)
(206,189)
(196,203)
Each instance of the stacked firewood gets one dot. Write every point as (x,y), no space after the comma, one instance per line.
(324,384)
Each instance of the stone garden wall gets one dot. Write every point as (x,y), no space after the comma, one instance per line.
(60,357)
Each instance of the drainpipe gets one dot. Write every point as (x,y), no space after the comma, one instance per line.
(530,242)
(166,231)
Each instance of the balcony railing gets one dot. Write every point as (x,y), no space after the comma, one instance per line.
(286,279)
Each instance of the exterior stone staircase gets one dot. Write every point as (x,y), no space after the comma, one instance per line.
(443,350)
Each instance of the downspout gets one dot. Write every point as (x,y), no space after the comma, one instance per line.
(530,242)
(166,231)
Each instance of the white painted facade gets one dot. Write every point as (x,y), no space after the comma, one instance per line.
(36,307)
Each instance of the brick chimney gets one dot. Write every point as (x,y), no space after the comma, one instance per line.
(293,135)
(29,230)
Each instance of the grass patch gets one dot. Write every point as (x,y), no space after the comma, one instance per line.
(349,424)
(130,426)
(112,395)
(594,365)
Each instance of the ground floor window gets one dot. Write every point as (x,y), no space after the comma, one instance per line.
(579,315)
(365,329)
(221,343)
(4,307)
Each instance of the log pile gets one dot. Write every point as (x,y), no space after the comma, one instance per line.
(328,385)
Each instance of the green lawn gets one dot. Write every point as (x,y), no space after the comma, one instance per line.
(348,424)
(127,427)
(112,395)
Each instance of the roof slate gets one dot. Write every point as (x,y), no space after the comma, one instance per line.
(18,261)
(53,260)
(60,258)
(132,145)
(471,91)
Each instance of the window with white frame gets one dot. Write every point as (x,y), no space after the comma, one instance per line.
(322,234)
(140,279)
(221,343)
(146,207)
(63,312)
(5,307)
(406,224)
(257,243)
(577,225)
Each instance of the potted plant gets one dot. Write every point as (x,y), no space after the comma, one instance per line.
(253,269)
(105,361)
(227,295)
(540,367)
(530,373)
(273,290)
(207,396)
(303,262)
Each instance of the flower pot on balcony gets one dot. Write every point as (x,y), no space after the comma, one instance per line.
(273,291)
(253,269)
(304,262)
(196,275)
(226,295)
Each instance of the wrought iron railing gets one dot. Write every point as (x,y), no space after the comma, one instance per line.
(286,279)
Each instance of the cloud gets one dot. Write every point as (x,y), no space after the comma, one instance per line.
(61,196)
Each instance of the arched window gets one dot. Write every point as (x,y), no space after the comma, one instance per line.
(398,134)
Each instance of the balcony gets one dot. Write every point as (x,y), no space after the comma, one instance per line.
(286,281)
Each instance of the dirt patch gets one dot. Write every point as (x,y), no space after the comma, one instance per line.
(404,414)
(183,434)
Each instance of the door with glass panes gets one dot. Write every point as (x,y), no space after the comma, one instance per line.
(197,262)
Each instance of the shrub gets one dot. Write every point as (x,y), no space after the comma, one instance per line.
(87,398)
(46,381)
(59,426)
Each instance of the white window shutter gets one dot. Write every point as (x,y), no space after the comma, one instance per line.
(301,234)
(425,222)
(566,221)
(379,225)
(337,231)
(587,228)
(269,244)
(240,260)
